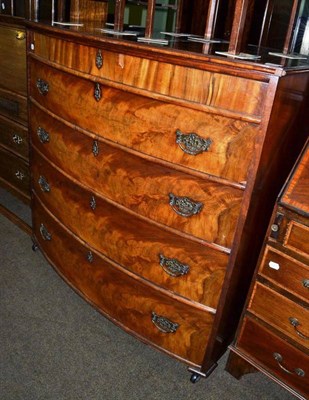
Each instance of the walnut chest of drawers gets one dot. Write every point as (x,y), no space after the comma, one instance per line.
(14,146)
(149,171)
(274,332)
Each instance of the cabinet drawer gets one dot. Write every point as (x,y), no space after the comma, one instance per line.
(297,238)
(160,129)
(134,243)
(206,209)
(13,74)
(281,359)
(225,92)
(280,312)
(14,136)
(127,300)
(15,172)
(13,106)
(286,272)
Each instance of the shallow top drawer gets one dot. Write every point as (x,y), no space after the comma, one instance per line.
(205,142)
(226,92)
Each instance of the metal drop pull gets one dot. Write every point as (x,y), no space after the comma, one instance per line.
(297,371)
(97,91)
(295,323)
(173,267)
(44,233)
(184,206)
(93,203)
(17,139)
(20,35)
(306,283)
(43,135)
(99,59)
(163,324)
(44,185)
(192,143)
(90,257)
(95,148)
(19,175)
(43,87)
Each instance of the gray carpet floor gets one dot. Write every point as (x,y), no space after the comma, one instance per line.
(55,346)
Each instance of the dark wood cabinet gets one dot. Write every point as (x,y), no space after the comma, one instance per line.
(274,331)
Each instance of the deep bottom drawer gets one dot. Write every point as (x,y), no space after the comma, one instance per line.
(274,354)
(131,302)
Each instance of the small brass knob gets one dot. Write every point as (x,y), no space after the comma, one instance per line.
(20,35)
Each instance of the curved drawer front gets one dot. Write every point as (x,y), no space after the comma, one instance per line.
(14,136)
(133,303)
(15,171)
(286,272)
(281,359)
(140,246)
(281,312)
(199,207)
(212,89)
(209,143)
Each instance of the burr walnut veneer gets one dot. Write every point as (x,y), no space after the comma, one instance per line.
(153,176)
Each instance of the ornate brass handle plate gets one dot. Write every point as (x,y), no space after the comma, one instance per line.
(192,143)
(163,324)
(184,206)
(173,267)
(42,86)
(43,135)
(44,185)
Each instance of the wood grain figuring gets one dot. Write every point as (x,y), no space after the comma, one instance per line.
(12,73)
(297,238)
(275,309)
(290,275)
(15,171)
(260,344)
(152,124)
(101,283)
(13,106)
(226,92)
(109,229)
(15,137)
(145,187)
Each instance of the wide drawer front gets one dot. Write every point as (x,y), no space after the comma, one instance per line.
(15,171)
(142,247)
(14,136)
(226,92)
(280,312)
(209,143)
(174,326)
(199,207)
(281,359)
(13,106)
(286,272)
(13,73)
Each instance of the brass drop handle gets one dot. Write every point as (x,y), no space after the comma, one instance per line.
(42,86)
(97,91)
(20,35)
(295,323)
(43,135)
(173,267)
(17,139)
(297,371)
(184,206)
(192,143)
(93,203)
(44,185)
(99,59)
(19,175)
(89,257)
(44,233)
(163,324)
(305,283)
(95,148)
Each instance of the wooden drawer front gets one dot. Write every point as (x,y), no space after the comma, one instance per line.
(244,96)
(147,188)
(14,171)
(124,298)
(134,243)
(13,59)
(286,272)
(297,238)
(263,346)
(148,125)
(14,136)
(13,106)
(280,312)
